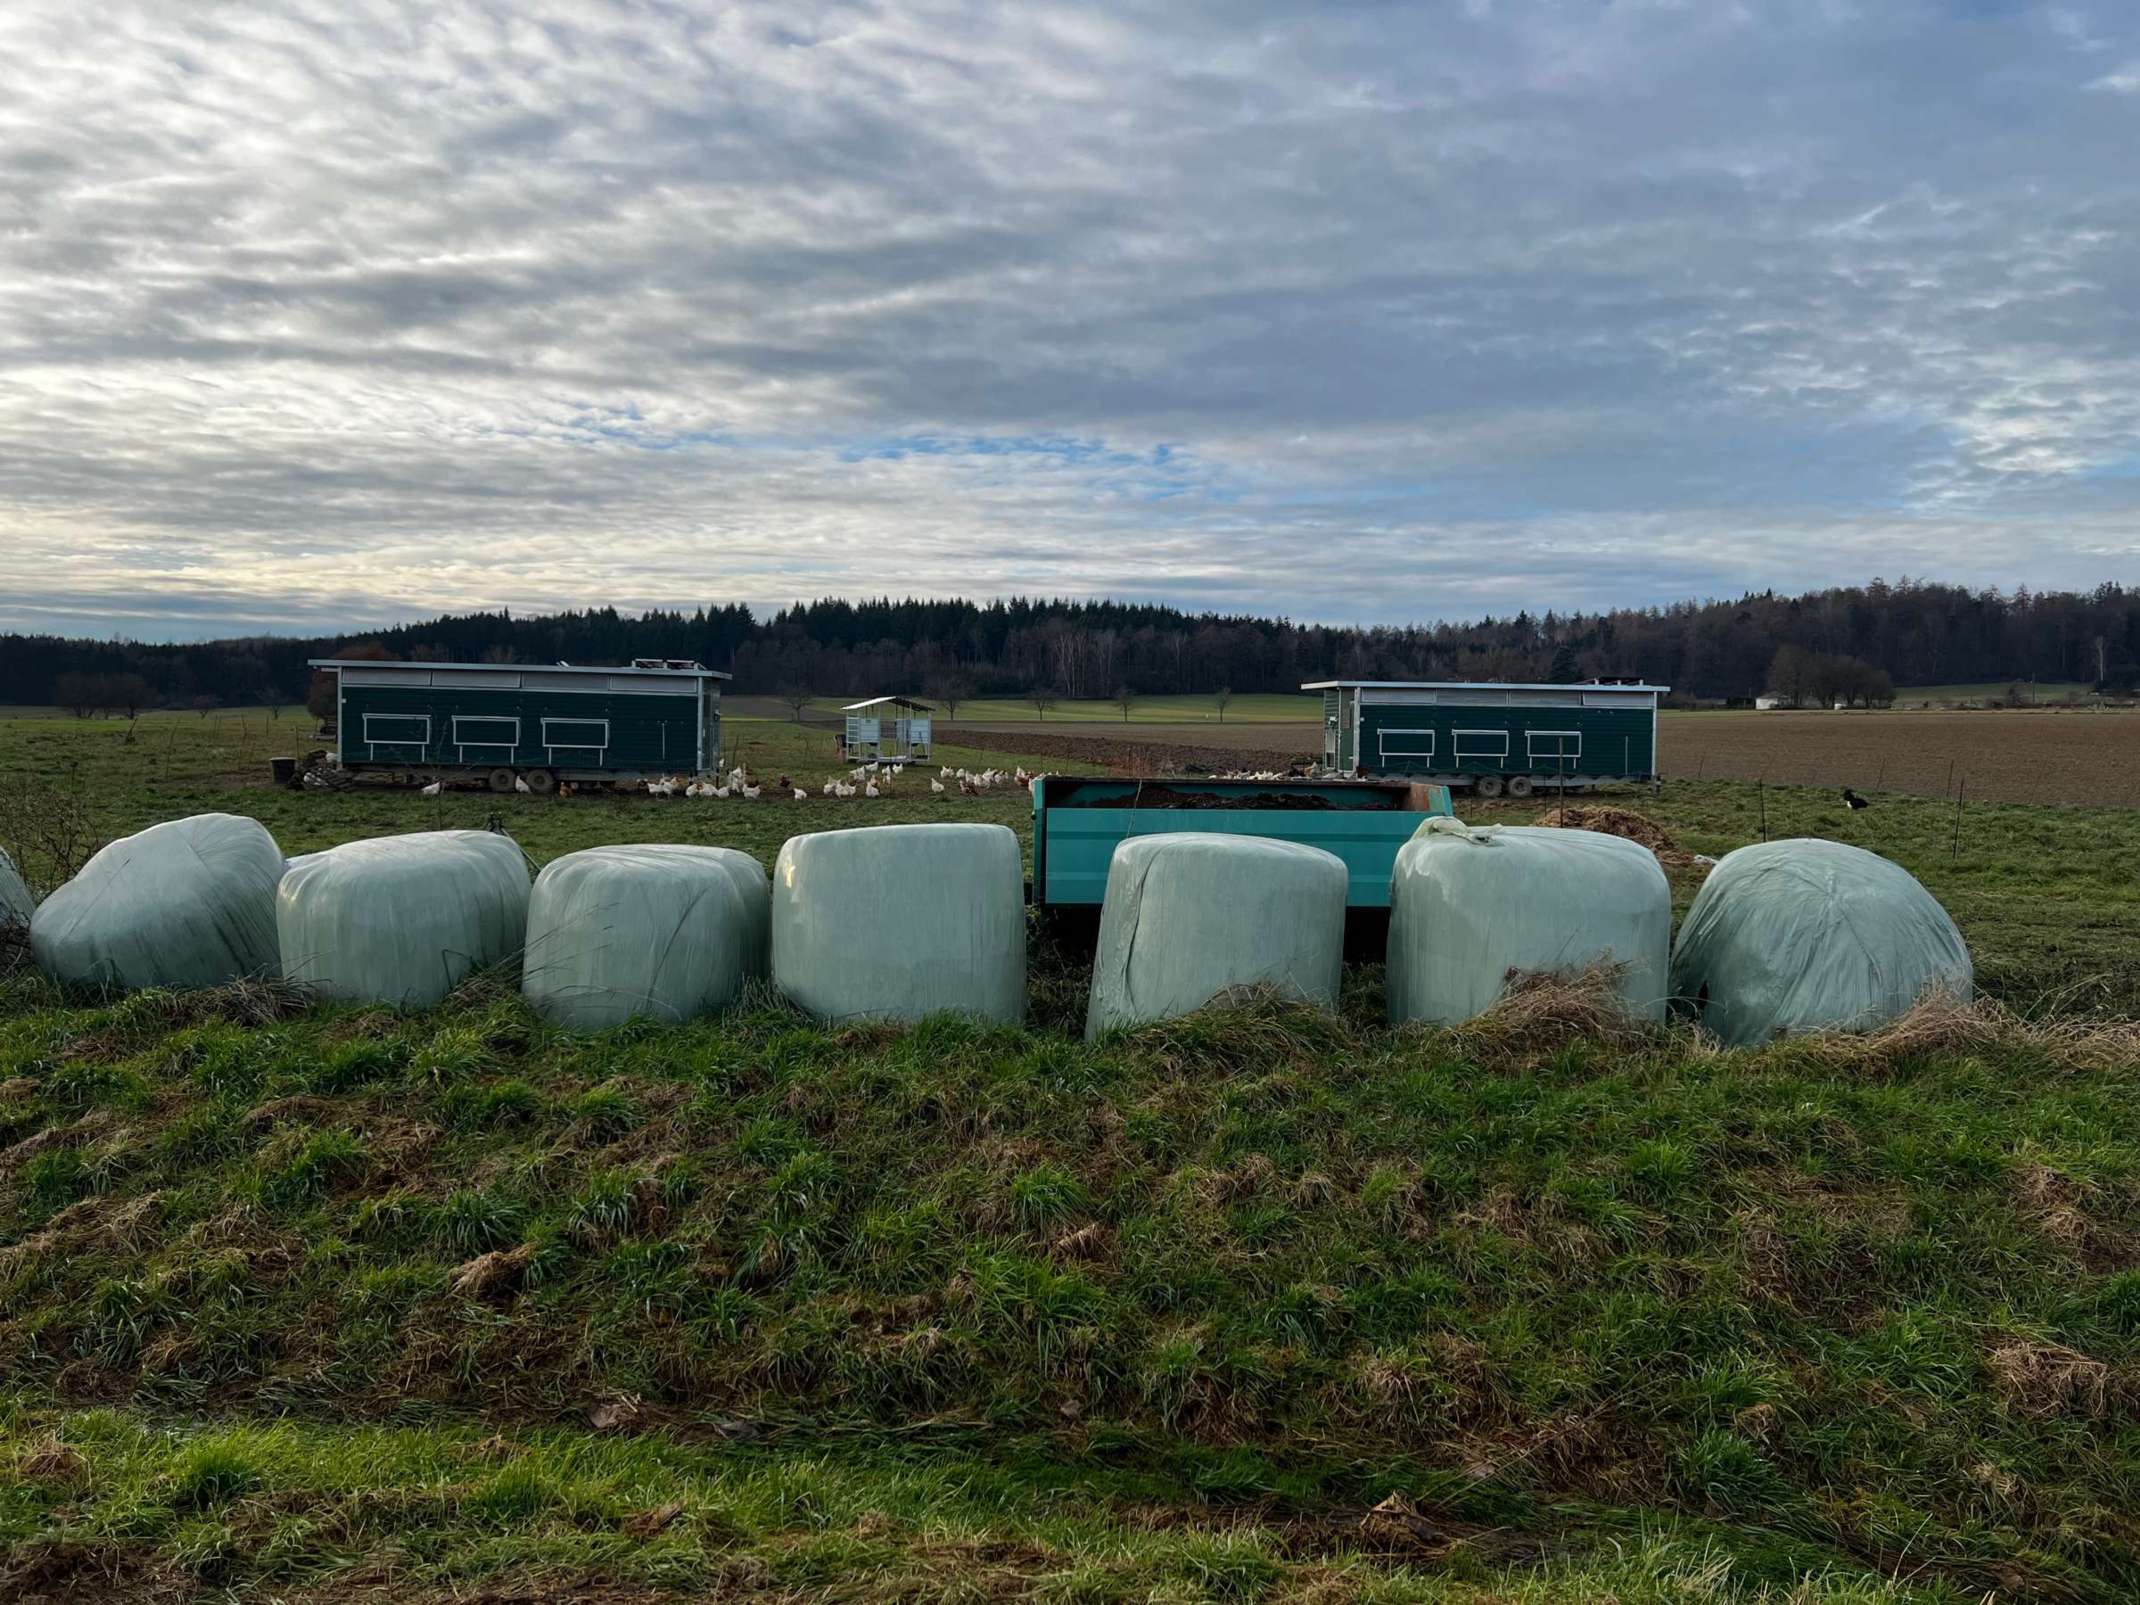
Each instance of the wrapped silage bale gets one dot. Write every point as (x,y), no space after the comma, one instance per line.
(1189,915)
(188,903)
(895,922)
(616,933)
(1471,907)
(16,903)
(402,920)
(1809,935)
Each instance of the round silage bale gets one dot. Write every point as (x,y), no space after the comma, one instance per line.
(188,903)
(1471,908)
(616,933)
(16,903)
(401,920)
(1810,935)
(1189,915)
(896,922)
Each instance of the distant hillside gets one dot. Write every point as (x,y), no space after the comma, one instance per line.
(1906,633)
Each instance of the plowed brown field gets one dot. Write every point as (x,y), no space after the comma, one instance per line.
(2020,756)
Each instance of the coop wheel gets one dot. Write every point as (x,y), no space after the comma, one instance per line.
(1489,786)
(1519,785)
(500,780)
(540,781)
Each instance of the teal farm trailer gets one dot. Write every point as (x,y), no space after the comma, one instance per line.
(504,724)
(1078,820)
(1490,736)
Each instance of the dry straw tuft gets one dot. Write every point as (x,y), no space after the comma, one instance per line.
(2048,1379)
(1539,1015)
(256,1000)
(1942,1024)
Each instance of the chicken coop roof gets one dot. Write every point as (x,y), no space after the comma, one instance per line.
(894,702)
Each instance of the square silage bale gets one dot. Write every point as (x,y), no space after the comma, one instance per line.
(402,920)
(899,922)
(1473,909)
(1188,916)
(642,931)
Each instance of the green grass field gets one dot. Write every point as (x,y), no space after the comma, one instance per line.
(326,1304)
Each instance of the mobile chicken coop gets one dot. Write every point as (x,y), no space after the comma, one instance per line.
(1490,736)
(895,729)
(503,723)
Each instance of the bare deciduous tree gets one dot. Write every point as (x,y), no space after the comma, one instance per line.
(46,831)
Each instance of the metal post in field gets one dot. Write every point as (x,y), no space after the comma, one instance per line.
(1955,851)
(1761,788)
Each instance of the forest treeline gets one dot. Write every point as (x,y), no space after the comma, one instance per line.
(1858,641)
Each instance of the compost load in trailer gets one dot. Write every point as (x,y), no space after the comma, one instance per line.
(1808,935)
(188,903)
(401,920)
(755,887)
(896,922)
(617,933)
(1188,916)
(1471,908)
(16,903)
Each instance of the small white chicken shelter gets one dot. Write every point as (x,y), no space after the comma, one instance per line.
(895,728)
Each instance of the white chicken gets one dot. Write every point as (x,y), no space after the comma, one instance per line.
(722,792)
(936,787)
(433,789)
(871,790)
(801,795)
(753,792)
(520,784)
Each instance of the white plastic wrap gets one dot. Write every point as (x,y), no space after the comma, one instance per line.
(896,922)
(16,903)
(402,920)
(188,903)
(1471,907)
(656,931)
(1189,915)
(1807,935)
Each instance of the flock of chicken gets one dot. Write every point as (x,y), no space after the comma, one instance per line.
(868,780)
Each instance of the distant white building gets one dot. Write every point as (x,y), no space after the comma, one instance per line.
(1766,703)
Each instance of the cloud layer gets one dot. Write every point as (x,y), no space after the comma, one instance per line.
(314,314)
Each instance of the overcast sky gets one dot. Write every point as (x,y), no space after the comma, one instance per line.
(320,314)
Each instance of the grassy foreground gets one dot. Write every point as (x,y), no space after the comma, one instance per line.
(314,1299)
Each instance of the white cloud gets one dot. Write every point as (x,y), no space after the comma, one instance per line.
(322,312)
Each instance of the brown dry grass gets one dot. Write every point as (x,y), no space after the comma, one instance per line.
(2049,1379)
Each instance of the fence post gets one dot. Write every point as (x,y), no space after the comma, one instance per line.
(1954,852)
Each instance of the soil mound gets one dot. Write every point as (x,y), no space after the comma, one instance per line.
(1621,822)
